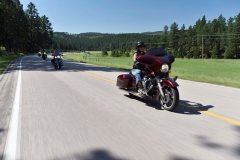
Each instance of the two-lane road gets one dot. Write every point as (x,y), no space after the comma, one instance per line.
(79,113)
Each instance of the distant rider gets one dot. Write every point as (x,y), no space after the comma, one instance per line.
(55,54)
(43,53)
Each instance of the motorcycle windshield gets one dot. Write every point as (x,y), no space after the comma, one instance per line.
(155,57)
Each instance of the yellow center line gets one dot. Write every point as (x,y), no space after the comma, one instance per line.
(212,114)
(99,77)
(182,104)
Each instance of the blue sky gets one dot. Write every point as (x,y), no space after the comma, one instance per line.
(129,16)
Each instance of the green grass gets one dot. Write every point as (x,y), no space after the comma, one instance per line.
(96,58)
(5,59)
(223,71)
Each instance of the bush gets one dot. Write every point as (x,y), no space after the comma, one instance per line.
(116,53)
(104,53)
(127,54)
(227,54)
(189,55)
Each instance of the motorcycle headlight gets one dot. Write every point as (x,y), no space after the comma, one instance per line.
(58,57)
(164,68)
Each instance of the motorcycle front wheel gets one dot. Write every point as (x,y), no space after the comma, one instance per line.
(171,99)
(55,66)
(59,66)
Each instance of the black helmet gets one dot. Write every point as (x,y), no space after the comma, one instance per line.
(140,43)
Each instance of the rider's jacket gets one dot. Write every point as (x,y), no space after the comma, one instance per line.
(55,53)
(138,65)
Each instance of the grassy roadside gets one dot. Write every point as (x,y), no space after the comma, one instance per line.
(6,59)
(222,71)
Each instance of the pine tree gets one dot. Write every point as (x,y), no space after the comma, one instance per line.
(214,40)
(199,29)
(236,39)
(9,21)
(173,37)
(215,52)
(164,38)
(1,25)
(47,32)
(206,40)
(230,39)
(21,38)
(222,30)
(190,35)
(182,42)
(34,27)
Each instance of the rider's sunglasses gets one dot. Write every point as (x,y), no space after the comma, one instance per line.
(141,47)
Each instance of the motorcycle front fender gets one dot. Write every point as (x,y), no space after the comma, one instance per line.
(169,82)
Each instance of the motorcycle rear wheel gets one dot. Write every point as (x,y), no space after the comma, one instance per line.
(171,99)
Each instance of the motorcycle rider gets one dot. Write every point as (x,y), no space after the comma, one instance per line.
(43,53)
(54,54)
(137,67)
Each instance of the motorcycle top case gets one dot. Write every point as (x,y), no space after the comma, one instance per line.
(124,80)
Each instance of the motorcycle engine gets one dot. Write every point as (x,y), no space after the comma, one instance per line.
(147,84)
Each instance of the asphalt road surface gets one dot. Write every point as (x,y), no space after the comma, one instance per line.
(79,113)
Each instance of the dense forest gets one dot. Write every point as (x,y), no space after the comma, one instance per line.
(97,41)
(219,38)
(23,31)
(27,31)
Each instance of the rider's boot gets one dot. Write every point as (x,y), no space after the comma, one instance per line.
(140,89)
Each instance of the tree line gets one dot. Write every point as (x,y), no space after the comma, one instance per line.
(23,31)
(93,41)
(217,38)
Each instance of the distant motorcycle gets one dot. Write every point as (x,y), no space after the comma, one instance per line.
(57,62)
(44,56)
(39,54)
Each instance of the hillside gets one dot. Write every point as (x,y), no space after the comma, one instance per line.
(100,41)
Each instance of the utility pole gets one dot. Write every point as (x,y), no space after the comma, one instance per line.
(202,46)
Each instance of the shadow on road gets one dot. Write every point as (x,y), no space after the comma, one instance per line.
(90,67)
(99,154)
(150,103)
(194,108)
(32,63)
(237,148)
(179,158)
(233,150)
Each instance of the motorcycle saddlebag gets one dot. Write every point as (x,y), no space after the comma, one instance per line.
(124,80)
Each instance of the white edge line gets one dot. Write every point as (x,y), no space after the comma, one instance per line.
(11,143)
